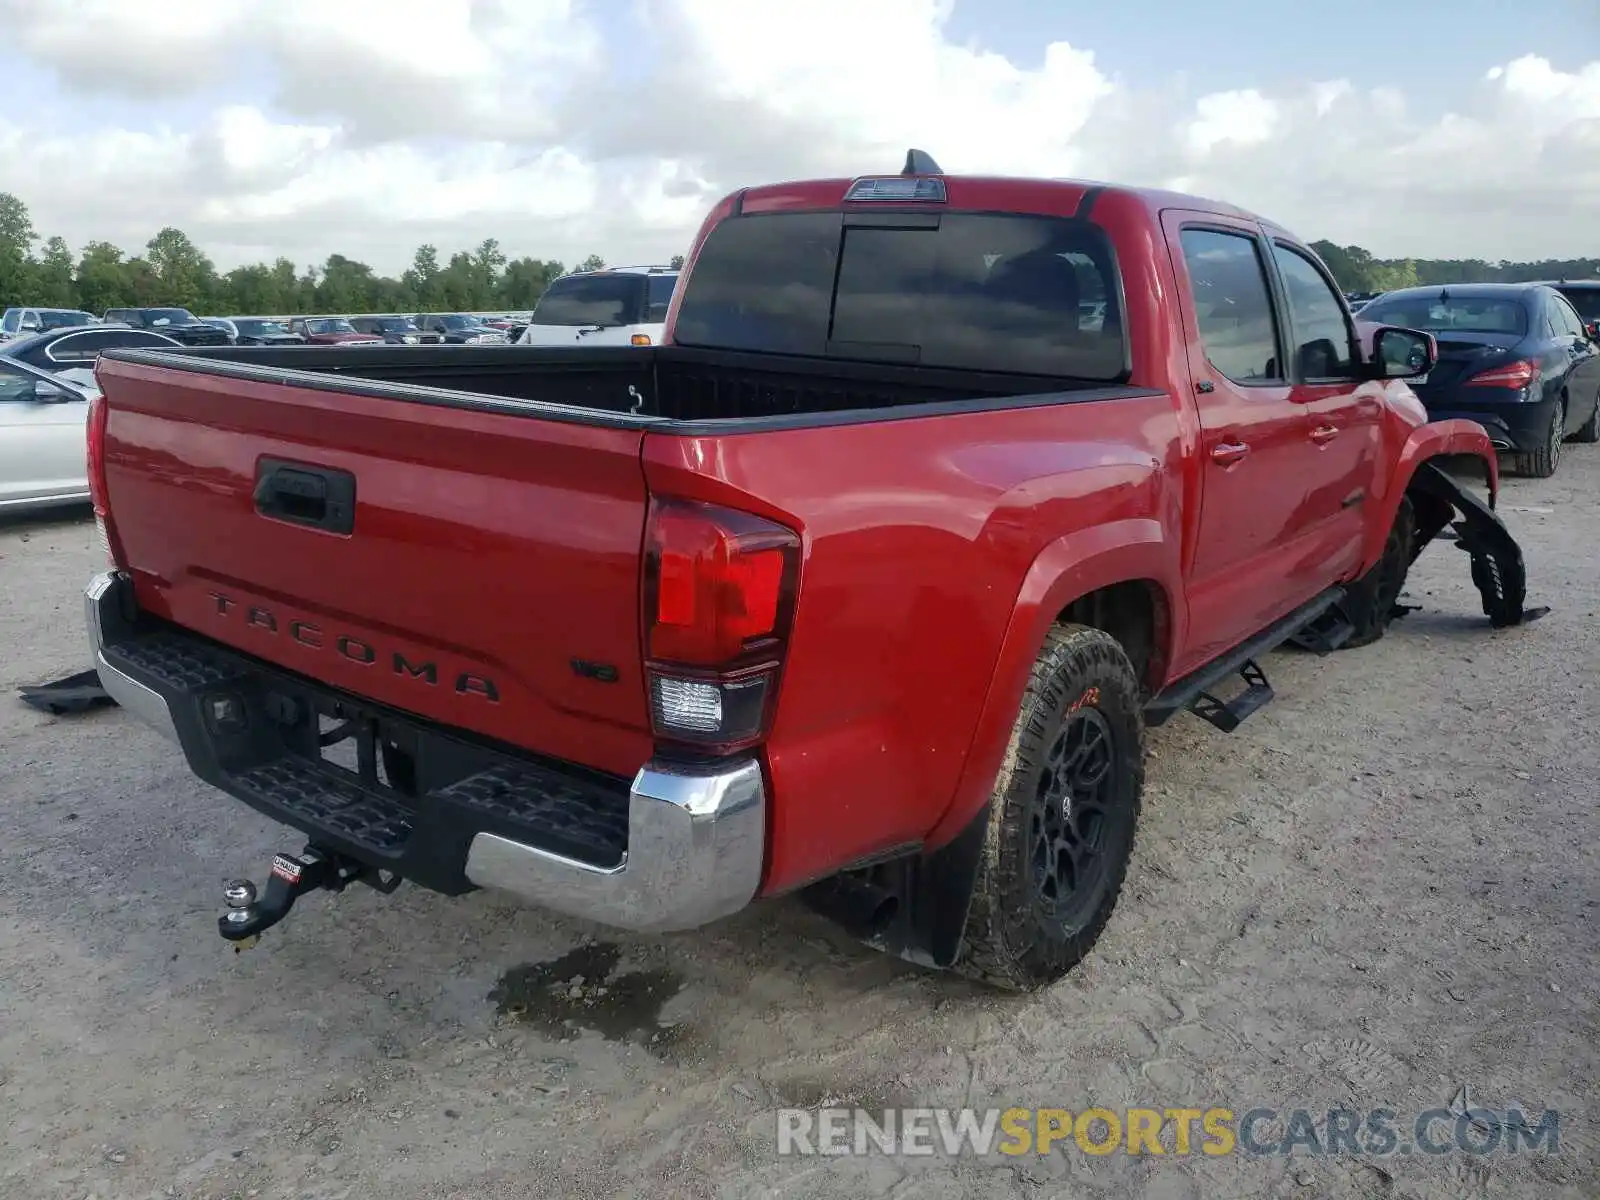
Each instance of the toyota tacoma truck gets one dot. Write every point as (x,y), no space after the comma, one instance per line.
(865,585)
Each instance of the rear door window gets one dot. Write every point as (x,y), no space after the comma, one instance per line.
(81,349)
(1037,295)
(1567,323)
(1232,304)
(603,300)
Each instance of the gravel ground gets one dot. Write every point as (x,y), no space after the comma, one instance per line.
(1382,888)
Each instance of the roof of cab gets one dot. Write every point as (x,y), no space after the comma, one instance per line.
(995,193)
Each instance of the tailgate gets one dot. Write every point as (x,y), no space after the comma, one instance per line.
(488,578)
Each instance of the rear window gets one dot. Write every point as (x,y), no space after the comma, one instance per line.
(1037,295)
(603,300)
(1454,314)
(60,319)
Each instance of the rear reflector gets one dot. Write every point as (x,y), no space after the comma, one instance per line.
(1517,374)
(901,188)
(640,339)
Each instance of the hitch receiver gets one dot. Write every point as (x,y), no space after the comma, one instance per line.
(292,876)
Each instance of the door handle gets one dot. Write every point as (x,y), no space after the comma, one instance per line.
(301,494)
(1228,453)
(1323,434)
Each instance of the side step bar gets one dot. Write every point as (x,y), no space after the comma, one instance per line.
(1227,714)
(1195,690)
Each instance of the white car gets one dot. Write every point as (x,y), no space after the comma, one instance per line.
(615,306)
(42,427)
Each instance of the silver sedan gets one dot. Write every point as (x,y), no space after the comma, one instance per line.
(42,427)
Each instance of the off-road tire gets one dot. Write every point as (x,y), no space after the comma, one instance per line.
(1021,933)
(1370,601)
(1589,432)
(1542,462)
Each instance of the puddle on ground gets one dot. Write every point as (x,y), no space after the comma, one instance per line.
(579,990)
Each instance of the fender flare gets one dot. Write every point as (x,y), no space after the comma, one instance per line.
(1073,565)
(1434,440)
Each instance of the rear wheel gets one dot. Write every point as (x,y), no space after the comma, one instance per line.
(1370,601)
(1589,431)
(1542,462)
(1062,815)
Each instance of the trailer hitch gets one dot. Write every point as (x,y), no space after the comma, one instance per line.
(1497,567)
(292,876)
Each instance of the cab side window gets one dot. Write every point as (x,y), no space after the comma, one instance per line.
(1233,305)
(1324,341)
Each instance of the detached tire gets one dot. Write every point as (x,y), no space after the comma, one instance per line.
(1370,601)
(1542,463)
(1062,816)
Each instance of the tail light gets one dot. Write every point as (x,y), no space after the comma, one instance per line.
(1519,374)
(719,594)
(95,452)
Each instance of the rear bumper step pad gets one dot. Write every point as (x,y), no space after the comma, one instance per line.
(677,847)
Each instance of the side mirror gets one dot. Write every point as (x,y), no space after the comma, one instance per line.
(1401,353)
(45,392)
(1593,330)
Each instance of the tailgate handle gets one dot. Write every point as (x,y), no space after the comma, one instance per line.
(317,497)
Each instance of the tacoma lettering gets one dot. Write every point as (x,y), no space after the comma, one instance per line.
(353,649)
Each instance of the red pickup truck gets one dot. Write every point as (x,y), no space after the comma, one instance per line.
(865,585)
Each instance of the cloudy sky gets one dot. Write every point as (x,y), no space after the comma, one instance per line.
(564,127)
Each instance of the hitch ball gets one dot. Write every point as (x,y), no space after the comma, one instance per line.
(239,893)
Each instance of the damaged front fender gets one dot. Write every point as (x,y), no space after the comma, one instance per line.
(1498,571)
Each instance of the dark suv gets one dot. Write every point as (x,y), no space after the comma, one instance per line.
(1583,295)
(460,329)
(179,324)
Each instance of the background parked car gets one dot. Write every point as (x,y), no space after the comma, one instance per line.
(41,438)
(18,322)
(617,306)
(1584,296)
(331,331)
(256,331)
(395,329)
(77,346)
(460,329)
(179,324)
(1514,357)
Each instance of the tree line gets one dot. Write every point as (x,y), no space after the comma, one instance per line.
(174,271)
(1358,271)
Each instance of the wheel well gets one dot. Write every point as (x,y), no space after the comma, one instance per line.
(1135,613)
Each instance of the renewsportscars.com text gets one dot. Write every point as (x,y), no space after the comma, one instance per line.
(1262,1132)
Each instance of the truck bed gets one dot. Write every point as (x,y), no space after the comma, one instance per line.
(637,387)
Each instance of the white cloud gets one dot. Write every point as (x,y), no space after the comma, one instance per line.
(561,130)
(1243,118)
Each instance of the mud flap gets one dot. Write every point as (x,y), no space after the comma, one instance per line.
(1497,567)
